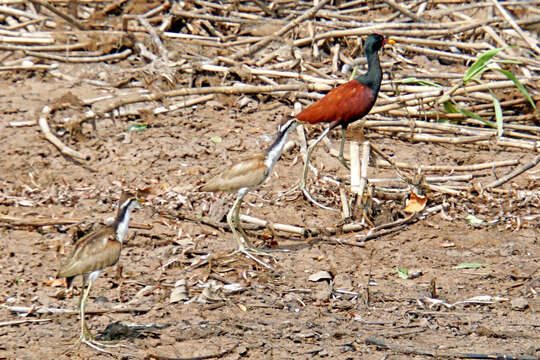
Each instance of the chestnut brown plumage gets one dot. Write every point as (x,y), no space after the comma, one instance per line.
(95,252)
(346,103)
(247,175)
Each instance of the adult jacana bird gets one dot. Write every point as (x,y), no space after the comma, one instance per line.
(245,176)
(95,252)
(346,103)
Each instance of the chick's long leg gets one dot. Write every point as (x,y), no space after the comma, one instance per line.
(233,219)
(85,333)
(86,336)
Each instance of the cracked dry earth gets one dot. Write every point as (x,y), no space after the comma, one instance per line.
(233,307)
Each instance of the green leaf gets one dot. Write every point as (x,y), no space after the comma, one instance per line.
(450,108)
(413,80)
(353,73)
(473,220)
(498,114)
(471,265)
(137,127)
(505,61)
(518,84)
(472,115)
(479,66)
(216,139)
(403,273)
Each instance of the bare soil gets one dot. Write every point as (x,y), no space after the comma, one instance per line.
(276,314)
(234,307)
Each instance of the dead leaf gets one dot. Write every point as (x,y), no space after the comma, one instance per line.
(320,275)
(415,203)
(180,292)
(55,282)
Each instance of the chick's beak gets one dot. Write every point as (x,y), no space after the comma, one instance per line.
(140,201)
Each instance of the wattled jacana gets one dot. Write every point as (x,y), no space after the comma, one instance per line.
(346,103)
(93,253)
(247,175)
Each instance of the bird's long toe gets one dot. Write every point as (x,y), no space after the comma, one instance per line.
(254,254)
(344,162)
(310,198)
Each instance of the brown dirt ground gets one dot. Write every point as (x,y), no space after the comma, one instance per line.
(278,314)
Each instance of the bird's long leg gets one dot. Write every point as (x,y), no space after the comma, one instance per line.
(303,181)
(233,219)
(85,333)
(86,336)
(308,155)
(341,145)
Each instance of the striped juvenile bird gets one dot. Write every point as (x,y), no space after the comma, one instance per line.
(245,176)
(95,252)
(346,103)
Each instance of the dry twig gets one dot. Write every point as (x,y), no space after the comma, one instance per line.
(42,121)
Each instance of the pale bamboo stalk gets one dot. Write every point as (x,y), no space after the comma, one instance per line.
(514,173)
(61,14)
(516,27)
(437,53)
(446,127)
(445,139)
(354,151)
(345,208)
(37,34)
(28,67)
(110,104)
(442,189)
(124,54)
(366,152)
(47,310)
(25,40)
(20,13)
(388,104)
(66,47)
(473,167)
(266,40)
(22,123)
(163,53)
(465,177)
(280,227)
(480,140)
(403,10)
(273,73)
(213,18)
(386,29)
(191,37)
(442,43)
(183,104)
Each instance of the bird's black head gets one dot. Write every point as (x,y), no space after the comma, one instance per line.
(374,43)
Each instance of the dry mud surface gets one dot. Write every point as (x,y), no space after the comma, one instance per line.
(176,287)
(275,314)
